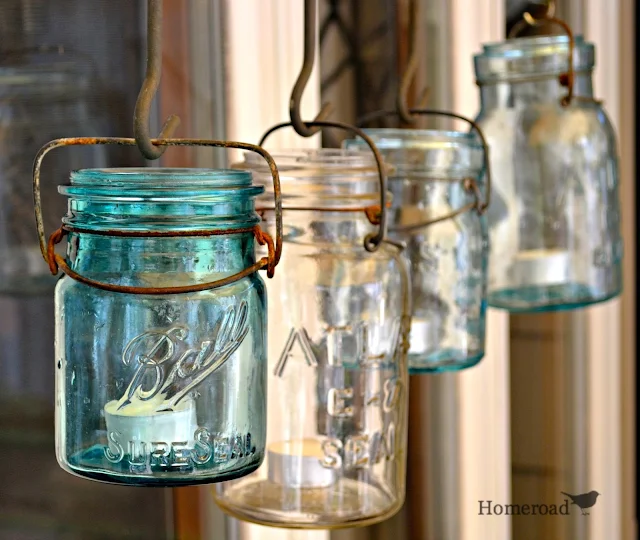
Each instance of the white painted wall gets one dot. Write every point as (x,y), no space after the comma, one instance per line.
(601,22)
(485,461)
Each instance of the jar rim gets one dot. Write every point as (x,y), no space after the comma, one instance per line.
(428,139)
(162,178)
(161,199)
(515,58)
(320,177)
(315,162)
(428,153)
(533,46)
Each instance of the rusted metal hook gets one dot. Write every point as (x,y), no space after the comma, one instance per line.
(150,87)
(404,112)
(302,129)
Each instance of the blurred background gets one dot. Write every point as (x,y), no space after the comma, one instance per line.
(553,406)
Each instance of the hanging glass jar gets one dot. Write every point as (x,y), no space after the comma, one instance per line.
(437,212)
(554,221)
(338,321)
(161,322)
(38,102)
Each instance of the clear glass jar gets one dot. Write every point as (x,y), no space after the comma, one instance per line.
(160,389)
(554,218)
(38,103)
(448,258)
(337,405)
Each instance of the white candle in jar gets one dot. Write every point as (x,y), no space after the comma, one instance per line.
(141,422)
(298,463)
(541,266)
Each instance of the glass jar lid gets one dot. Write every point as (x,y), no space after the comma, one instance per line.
(427,153)
(521,58)
(160,199)
(319,177)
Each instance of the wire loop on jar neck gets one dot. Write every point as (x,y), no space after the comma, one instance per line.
(567,79)
(56,262)
(469,184)
(372,241)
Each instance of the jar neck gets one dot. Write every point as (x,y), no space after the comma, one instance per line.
(324,229)
(513,94)
(160,262)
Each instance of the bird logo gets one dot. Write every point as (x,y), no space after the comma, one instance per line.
(583,501)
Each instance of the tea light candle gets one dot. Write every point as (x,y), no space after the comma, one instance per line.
(541,266)
(298,463)
(140,421)
(426,334)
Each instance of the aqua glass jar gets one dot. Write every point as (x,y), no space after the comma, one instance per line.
(554,220)
(160,389)
(436,172)
(338,322)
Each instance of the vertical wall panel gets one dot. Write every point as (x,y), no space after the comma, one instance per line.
(483,391)
(604,355)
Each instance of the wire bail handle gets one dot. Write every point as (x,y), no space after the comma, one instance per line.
(305,129)
(149,88)
(566,79)
(469,184)
(373,240)
(56,262)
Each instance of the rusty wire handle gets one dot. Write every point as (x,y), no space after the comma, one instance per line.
(566,79)
(470,186)
(372,241)
(304,129)
(56,263)
(149,88)
(412,67)
(46,248)
(482,207)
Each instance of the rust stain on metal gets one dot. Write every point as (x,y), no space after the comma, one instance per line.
(56,262)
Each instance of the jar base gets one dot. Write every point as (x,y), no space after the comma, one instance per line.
(347,503)
(91,464)
(544,298)
(443,361)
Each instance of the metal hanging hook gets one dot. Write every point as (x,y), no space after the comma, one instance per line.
(404,112)
(530,20)
(150,87)
(301,128)
(550,13)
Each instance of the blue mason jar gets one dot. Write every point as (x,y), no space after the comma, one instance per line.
(160,389)
(435,174)
(554,218)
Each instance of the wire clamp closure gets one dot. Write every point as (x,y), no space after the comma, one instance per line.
(567,79)
(372,241)
(57,263)
(469,184)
